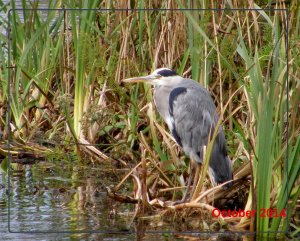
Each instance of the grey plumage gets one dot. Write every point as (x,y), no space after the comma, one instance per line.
(190,115)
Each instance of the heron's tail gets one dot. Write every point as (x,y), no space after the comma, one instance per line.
(222,172)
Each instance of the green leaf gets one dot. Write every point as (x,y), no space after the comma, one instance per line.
(4,165)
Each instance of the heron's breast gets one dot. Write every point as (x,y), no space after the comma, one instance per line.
(161,100)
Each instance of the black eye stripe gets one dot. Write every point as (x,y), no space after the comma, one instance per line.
(167,72)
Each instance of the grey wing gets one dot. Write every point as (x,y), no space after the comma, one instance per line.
(191,111)
(194,116)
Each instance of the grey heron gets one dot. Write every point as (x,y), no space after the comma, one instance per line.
(190,113)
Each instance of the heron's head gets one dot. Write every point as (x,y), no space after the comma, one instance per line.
(161,76)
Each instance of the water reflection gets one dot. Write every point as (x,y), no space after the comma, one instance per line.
(70,197)
(47,197)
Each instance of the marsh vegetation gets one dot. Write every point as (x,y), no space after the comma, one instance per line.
(66,98)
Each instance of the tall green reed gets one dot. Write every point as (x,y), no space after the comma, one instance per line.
(267,98)
(80,31)
(31,48)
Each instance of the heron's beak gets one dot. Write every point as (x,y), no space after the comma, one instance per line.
(144,79)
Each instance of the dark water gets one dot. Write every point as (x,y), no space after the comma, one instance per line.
(60,199)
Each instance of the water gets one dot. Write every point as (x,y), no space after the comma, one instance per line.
(60,199)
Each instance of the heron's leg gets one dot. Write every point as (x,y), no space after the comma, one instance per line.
(188,184)
(196,179)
